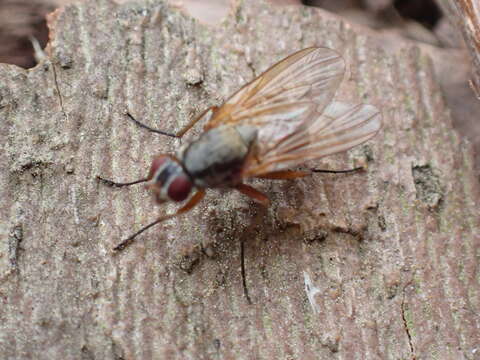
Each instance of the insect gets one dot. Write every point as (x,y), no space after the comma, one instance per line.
(279,120)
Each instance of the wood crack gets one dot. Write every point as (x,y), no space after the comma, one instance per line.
(405,324)
(60,99)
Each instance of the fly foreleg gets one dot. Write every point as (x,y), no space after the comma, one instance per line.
(194,200)
(118,184)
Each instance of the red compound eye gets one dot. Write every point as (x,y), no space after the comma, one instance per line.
(156,164)
(179,188)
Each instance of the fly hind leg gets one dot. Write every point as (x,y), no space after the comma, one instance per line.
(281,175)
(294,174)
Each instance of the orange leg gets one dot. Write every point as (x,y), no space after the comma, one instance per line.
(194,200)
(293,174)
(284,174)
(253,193)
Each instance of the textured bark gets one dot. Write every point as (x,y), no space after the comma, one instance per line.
(381,264)
(460,78)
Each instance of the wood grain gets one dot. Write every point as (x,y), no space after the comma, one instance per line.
(378,265)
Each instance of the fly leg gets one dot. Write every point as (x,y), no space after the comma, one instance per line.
(253,193)
(194,200)
(242,270)
(293,174)
(118,184)
(178,134)
(337,171)
(262,199)
(282,175)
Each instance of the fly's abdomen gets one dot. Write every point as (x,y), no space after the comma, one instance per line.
(217,157)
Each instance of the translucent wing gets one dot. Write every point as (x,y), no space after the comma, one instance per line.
(339,128)
(286,96)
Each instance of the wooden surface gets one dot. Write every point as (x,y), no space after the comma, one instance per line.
(382,264)
(465,14)
(462,82)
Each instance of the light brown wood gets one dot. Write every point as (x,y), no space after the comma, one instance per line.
(379,264)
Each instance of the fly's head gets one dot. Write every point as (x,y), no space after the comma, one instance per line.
(168,180)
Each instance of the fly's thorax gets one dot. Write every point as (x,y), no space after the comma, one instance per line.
(216,158)
(168,180)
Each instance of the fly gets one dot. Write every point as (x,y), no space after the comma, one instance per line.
(281,119)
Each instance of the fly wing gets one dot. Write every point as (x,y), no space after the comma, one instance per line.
(339,128)
(286,96)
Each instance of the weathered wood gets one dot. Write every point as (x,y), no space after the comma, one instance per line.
(465,14)
(390,256)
